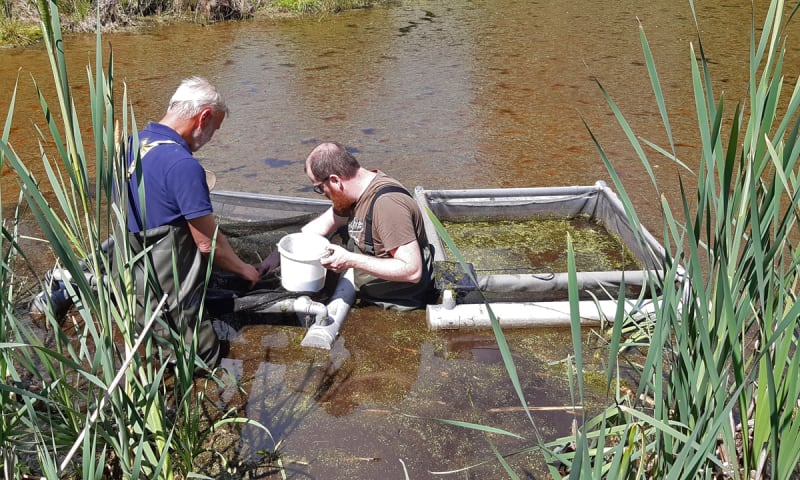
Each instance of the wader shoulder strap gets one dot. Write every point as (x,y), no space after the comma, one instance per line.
(144,149)
(369,248)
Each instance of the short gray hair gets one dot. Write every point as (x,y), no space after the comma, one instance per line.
(193,95)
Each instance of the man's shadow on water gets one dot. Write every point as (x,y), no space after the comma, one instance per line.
(282,393)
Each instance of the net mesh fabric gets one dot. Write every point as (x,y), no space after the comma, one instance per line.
(229,297)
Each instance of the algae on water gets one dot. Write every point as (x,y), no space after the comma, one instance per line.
(508,246)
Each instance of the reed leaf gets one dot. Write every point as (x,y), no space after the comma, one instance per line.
(79,372)
(505,353)
(722,348)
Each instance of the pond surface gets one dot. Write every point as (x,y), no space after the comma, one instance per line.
(369,407)
(457,94)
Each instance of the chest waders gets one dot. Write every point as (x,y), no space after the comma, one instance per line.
(386,293)
(171,264)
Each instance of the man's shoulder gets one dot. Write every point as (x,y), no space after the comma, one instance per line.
(375,196)
(162,152)
(383,184)
(391,199)
(157,131)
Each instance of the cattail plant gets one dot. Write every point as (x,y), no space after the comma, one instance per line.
(102,402)
(717,392)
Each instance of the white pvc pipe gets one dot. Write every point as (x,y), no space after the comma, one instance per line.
(303,306)
(325,330)
(547,282)
(527,314)
(515,193)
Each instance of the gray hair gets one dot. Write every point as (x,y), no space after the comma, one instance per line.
(193,95)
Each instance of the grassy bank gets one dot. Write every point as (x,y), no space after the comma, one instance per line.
(19,21)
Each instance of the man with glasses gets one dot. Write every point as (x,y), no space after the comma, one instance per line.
(387,246)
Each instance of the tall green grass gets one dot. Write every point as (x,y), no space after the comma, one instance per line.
(320,6)
(718,390)
(94,401)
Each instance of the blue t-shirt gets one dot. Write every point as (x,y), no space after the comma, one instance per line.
(175,188)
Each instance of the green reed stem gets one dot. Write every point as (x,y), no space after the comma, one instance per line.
(720,368)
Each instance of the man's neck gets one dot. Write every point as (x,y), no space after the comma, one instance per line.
(362,180)
(182,126)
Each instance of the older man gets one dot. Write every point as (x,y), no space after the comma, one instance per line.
(388,247)
(170,211)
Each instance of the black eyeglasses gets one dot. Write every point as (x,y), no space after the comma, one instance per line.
(318,187)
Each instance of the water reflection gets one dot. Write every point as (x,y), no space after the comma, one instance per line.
(489,93)
(473,347)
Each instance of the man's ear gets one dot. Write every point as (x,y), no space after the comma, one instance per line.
(335,181)
(204,116)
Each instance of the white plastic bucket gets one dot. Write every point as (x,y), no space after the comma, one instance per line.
(301,270)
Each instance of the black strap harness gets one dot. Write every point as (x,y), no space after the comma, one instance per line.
(369,247)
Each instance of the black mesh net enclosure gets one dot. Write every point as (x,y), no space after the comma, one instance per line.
(229,298)
(253,241)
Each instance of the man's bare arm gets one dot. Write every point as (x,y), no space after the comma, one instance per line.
(203,229)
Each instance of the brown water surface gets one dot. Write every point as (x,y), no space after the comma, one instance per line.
(460,94)
(457,94)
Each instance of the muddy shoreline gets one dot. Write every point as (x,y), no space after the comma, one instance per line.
(22,28)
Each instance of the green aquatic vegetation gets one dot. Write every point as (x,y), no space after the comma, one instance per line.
(503,246)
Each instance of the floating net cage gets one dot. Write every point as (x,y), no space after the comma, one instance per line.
(514,242)
(253,225)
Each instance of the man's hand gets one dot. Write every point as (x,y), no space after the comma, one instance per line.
(404,264)
(204,232)
(336,259)
(269,264)
(250,273)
